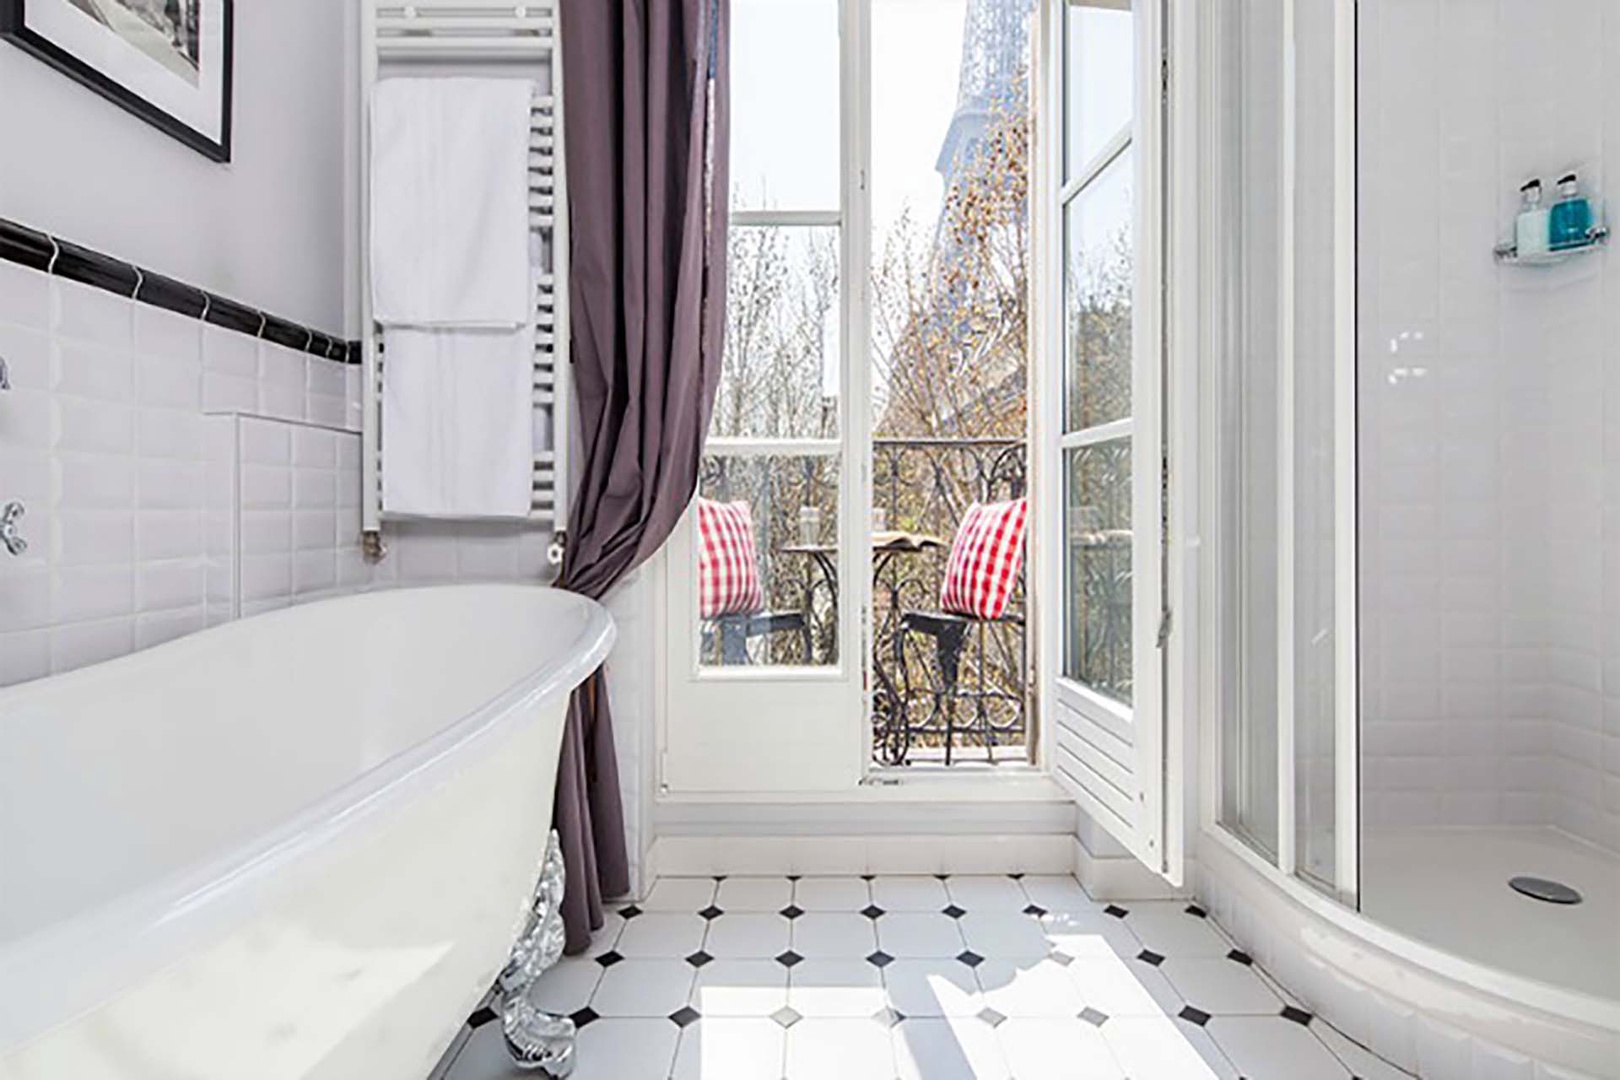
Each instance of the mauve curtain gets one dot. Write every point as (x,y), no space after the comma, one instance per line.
(646,94)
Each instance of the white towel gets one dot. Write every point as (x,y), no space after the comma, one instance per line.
(457,423)
(450,202)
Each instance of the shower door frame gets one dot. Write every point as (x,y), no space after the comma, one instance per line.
(1216,318)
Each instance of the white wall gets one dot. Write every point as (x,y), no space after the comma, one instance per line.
(266,229)
(1490,442)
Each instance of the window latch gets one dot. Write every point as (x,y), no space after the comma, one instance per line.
(1165,621)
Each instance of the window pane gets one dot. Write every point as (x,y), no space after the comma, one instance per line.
(792,524)
(1099,80)
(1097,530)
(784,105)
(1099,267)
(779,377)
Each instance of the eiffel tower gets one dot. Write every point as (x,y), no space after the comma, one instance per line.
(995,54)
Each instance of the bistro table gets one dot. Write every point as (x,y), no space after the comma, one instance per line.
(886,547)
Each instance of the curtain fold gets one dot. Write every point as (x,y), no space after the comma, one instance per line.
(645,89)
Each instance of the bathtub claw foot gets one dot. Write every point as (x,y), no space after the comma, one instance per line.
(534,1038)
(538,1040)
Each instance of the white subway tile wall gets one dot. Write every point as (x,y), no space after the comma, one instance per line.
(178,475)
(1490,439)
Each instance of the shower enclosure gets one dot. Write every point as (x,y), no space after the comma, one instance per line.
(1411,486)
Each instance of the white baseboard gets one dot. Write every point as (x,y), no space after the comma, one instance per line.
(1121,877)
(691,856)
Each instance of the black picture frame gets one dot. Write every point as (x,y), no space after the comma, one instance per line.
(14,27)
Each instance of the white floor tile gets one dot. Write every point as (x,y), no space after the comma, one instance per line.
(1089,934)
(932,988)
(1001,933)
(661,936)
(643,988)
(749,935)
(731,1049)
(937,1049)
(824,935)
(1154,1048)
(622,1049)
(919,935)
(1056,1050)
(831,894)
(1167,929)
(567,987)
(839,1050)
(1362,1063)
(754,894)
(976,892)
(684,895)
(1057,892)
(1118,987)
(920,893)
(1271,1048)
(740,988)
(851,989)
(1024,988)
(1220,987)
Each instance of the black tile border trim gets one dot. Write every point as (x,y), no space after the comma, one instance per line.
(62,258)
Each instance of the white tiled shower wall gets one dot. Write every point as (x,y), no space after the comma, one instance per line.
(1490,438)
(178,474)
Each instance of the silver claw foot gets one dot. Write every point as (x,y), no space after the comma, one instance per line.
(535,1039)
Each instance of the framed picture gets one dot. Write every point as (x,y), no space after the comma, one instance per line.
(166,61)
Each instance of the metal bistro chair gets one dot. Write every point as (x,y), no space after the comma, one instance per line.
(982,574)
(731,599)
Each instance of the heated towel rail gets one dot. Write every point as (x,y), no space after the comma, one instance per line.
(467,37)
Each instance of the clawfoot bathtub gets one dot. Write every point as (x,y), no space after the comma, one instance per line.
(299,845)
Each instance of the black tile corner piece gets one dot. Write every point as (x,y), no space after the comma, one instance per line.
(711,913)
(789,959)
(1196,912)
(171,295)
(685,1016)
(952,911)
(970,958)
(872,911)
(1116,911)
(481,1016)
(1036,910)
(92,268)
(1194,1015)
(880,959)
(1238,956)
(1094,1017)
(699,958)
(230,315)
(629,911)
(24,246)
(791,912)
(1149,957)
(609,958)
(584,1016)
(1297,1015)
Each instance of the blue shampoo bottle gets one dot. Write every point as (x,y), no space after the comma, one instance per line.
(1570,222)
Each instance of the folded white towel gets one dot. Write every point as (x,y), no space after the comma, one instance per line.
(457,423)
(450,202)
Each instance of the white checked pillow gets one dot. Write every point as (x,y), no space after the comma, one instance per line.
(728,562)
(986,556)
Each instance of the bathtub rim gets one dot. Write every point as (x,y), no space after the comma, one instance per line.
(45,977)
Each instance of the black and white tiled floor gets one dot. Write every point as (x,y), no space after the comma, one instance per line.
(919,978)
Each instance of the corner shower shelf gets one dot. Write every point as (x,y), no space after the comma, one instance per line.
(1508,254)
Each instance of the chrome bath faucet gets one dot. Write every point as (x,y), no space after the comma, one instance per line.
(10,534)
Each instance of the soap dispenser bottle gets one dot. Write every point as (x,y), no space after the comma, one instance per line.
(1530,231)
(1570,222)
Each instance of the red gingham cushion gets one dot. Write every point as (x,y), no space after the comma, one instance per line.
(728,563)
(985,559)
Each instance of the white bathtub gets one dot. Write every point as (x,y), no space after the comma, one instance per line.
(299,845)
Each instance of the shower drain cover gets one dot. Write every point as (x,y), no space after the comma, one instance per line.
(1553,892)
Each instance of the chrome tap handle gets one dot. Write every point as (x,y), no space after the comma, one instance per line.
(10,535)
(5,375)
